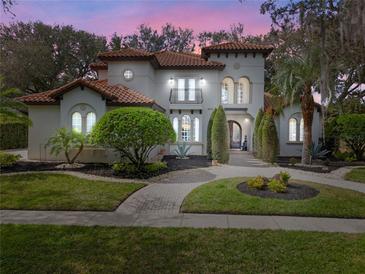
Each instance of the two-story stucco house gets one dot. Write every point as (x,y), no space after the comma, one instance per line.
(185,86)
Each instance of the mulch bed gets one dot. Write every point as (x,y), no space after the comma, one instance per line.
(105,170)
(293,192)
(316,169)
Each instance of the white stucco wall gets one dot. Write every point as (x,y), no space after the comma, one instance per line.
(282,123)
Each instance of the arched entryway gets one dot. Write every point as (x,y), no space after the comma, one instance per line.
(235,134)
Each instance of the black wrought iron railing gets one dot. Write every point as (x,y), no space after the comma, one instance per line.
(186,96)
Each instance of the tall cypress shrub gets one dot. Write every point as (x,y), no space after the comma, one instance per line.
(209,135)
(256,141)
(220,137)
(259,137)
(270,142)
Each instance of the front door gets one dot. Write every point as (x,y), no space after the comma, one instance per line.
(235,134)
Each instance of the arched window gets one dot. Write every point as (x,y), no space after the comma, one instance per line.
(227,93)
(196,129)
(175,125)
(186,128)
(243,96)
(292,129)
(90,121)
(301,130)
(76,122)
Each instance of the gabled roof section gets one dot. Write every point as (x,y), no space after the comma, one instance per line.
(114,94)
(162,59)
(237,47)
(184,60)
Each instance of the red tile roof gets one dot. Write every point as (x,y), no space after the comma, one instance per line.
(115,95)
(169,59)
(126,54)
(98,65)
(163,59)
(237,47)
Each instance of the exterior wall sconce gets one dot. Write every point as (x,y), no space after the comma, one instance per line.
(171,82)
(202,81)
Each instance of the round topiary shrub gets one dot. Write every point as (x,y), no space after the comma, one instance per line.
(134,132)
(270,142)
(209,135)
(220,137)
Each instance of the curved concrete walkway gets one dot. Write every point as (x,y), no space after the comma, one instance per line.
(158,204)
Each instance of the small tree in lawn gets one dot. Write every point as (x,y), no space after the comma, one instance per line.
(256,140)
(352,131)
(209,134)
(270,142)
(66,141)
(220,137)
(134,132)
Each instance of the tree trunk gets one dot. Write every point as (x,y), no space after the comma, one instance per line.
(307,105)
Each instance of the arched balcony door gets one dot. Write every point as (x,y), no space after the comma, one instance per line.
(235,134)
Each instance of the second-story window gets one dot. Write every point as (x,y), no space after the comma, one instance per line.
(191,89)
(227,92)
(243,96)
(186,89)
(181,89)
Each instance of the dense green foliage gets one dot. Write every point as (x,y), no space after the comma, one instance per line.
(7,159)
(45,56)
(42,191)
(222,196)
(276,186)
(134,132)
(65,141)
(351,128)
(76,249)
(220,150)
(270,142)
(258,182)
(259,152)
(209,134)
(13,135)
(256,139)
(129,170)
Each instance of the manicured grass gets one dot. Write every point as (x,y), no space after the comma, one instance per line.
(222,196)
(67,249)
(61,192)
(357,175)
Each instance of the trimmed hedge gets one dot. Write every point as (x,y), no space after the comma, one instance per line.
(259,138)
(13,135)
(209,134)
(270,142)
(256,140)
(220,137)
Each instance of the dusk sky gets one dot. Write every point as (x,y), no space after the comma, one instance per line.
(105,17)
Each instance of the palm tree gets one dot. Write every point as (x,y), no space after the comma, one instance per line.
(295,77)
(11,110)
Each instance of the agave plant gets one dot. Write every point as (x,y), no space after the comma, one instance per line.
(182,151)
(316,152)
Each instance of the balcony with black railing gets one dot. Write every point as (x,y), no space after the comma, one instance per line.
(186,96)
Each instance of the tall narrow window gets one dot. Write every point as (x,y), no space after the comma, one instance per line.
(186,128)
(76,122)
(301,130)
(292,129)
(90,121)
(196,130)
(180,89)
(191,89)
(227,92)
(243,96)
(175,125)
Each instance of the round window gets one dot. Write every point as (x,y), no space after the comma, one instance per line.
(128,74)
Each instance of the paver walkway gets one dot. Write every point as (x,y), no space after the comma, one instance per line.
(158,204)
(245,158)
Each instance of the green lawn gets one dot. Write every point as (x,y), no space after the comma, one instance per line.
(69,249)
(357,175)
(61,192)
(222,196)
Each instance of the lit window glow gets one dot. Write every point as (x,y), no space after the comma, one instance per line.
(301,130)
(196,129)
(76,122)
(175,125)
(186,128)
(90,121)
(292,129)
